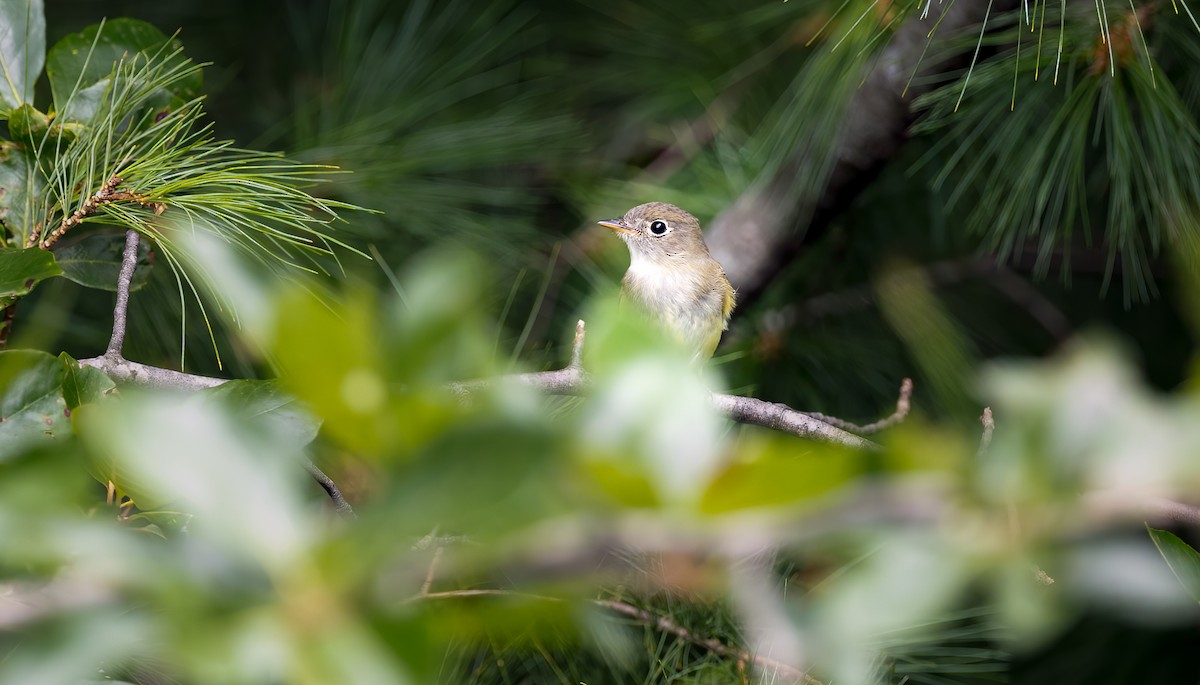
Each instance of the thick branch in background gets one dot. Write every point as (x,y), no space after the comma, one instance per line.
(755,238)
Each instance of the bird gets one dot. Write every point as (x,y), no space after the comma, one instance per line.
(672,276)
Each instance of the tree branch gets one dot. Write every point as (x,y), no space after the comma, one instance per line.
(121,310)
(754,238)
(573,379)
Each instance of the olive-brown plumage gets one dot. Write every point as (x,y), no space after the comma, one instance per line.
(672,275)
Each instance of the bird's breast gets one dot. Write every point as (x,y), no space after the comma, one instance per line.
(680,297)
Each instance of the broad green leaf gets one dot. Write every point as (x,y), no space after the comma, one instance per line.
(780,470)
(22,49)
(20,270)
(94,261)
(79,65)
(83,384)
(1183,560)
(242,484)
(264,401)
(22,190)
(32,406)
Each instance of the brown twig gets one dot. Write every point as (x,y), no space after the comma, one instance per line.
(107,193)
(573,379)
(903,406)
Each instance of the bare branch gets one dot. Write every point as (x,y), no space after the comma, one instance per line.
(121,310)
(124,371)
(784,419)
(339,502)
(574,380)
(903,405)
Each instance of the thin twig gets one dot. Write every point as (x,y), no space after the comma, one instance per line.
(121,310)
(903,406)
(573,379)
(107,193)
(339,502)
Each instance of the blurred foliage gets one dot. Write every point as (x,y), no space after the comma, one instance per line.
(149,538)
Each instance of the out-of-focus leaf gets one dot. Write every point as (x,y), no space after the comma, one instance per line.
(85,60)
(83,384)
(266,404)
(1181,557)
(20,270)
(775,470)
(651,415)
(95,261)
(22,49)
(332,361)
(241,483)
(484,476)
(31,400)
(21,193)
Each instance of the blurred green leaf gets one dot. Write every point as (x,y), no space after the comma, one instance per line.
(238,479)
(1181,557)
(22,49)
(83,384)
(31,400)
(267,405)
(773,470)
(94,261)
(79,65)
(20,270)
(332,360)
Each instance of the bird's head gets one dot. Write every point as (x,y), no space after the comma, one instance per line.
(658,230)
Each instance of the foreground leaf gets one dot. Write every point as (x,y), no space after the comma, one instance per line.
(32,406)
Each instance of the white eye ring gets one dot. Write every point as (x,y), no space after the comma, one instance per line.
(659,227)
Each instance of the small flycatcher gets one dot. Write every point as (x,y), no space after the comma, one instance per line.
(672,275)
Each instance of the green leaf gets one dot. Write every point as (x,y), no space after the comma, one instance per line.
(79,65)
(20,270)
(22,190)
(779,470)
(95,261)
(32,406)
(1183,560)
(22,49)
(266,404)
(27,121)
(83,384)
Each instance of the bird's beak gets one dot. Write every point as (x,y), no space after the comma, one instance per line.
(616,225)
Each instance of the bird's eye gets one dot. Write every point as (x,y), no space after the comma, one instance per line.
(658,227)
